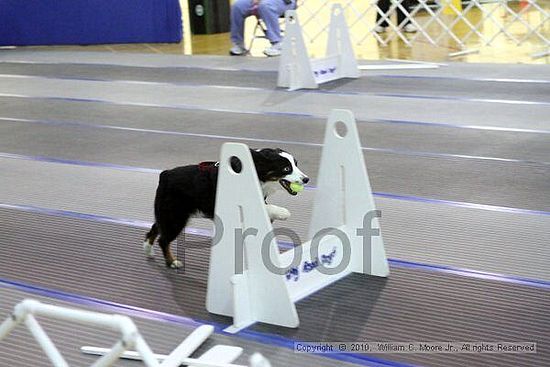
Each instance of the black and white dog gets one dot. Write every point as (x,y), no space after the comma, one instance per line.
(189,190)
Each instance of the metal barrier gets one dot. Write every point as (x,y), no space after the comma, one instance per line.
(444,23)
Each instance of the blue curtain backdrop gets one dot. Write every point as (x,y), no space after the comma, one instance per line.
(84,22)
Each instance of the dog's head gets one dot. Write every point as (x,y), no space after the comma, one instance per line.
(276,165)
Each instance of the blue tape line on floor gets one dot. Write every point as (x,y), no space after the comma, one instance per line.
(287,245)
(260,71)
(410,153)
(469,79)
(259,337)
(307,91)
(495,208)
(275,113)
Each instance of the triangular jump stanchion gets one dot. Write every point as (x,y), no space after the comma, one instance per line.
(344,195)
(237,277)
(294,65)
(298,71)
(339,43)
(249,279)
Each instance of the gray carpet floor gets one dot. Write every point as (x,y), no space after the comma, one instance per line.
(458,158)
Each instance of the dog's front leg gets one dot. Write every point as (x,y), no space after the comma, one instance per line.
(276,212)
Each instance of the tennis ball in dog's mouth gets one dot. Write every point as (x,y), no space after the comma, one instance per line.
(296,187)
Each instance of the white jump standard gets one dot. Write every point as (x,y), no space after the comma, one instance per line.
(249,279)
(297,71)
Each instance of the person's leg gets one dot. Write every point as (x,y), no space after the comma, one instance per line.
(401,16)
(239,11)
(384,6)
(270,11)
(405,19)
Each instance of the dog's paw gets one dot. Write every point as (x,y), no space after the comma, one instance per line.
(176,264)
(277,213)
(148,249)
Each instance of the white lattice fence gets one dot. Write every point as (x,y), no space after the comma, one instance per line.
(446,23)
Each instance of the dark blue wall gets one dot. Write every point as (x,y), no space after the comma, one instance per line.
(81,22)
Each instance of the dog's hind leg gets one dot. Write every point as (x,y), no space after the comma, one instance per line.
(150,240)
(171,261)
(169,234)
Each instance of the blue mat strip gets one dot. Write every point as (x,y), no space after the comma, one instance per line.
(263,338)
(226,68)
(410,153)
(495,208)
(275,113)
(313,91)
(207,233)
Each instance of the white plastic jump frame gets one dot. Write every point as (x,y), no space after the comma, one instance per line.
(297,71)
(217,356)
(343,201)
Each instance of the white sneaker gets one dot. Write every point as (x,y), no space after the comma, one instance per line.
(237,50)
(379,29)
(274,50)
(410,28)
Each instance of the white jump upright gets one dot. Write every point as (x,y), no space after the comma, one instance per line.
(249,279)
(297,70)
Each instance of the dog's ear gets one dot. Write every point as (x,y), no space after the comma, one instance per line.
(261,162)
(257,155)
(264,154)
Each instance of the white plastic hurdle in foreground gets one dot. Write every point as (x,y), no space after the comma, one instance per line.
(297,71)
(217,356)
(340,244)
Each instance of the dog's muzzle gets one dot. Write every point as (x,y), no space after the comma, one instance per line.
(286,184)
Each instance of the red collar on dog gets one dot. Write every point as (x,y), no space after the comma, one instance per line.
(208,166)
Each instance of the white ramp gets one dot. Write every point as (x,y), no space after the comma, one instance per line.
(249,279)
